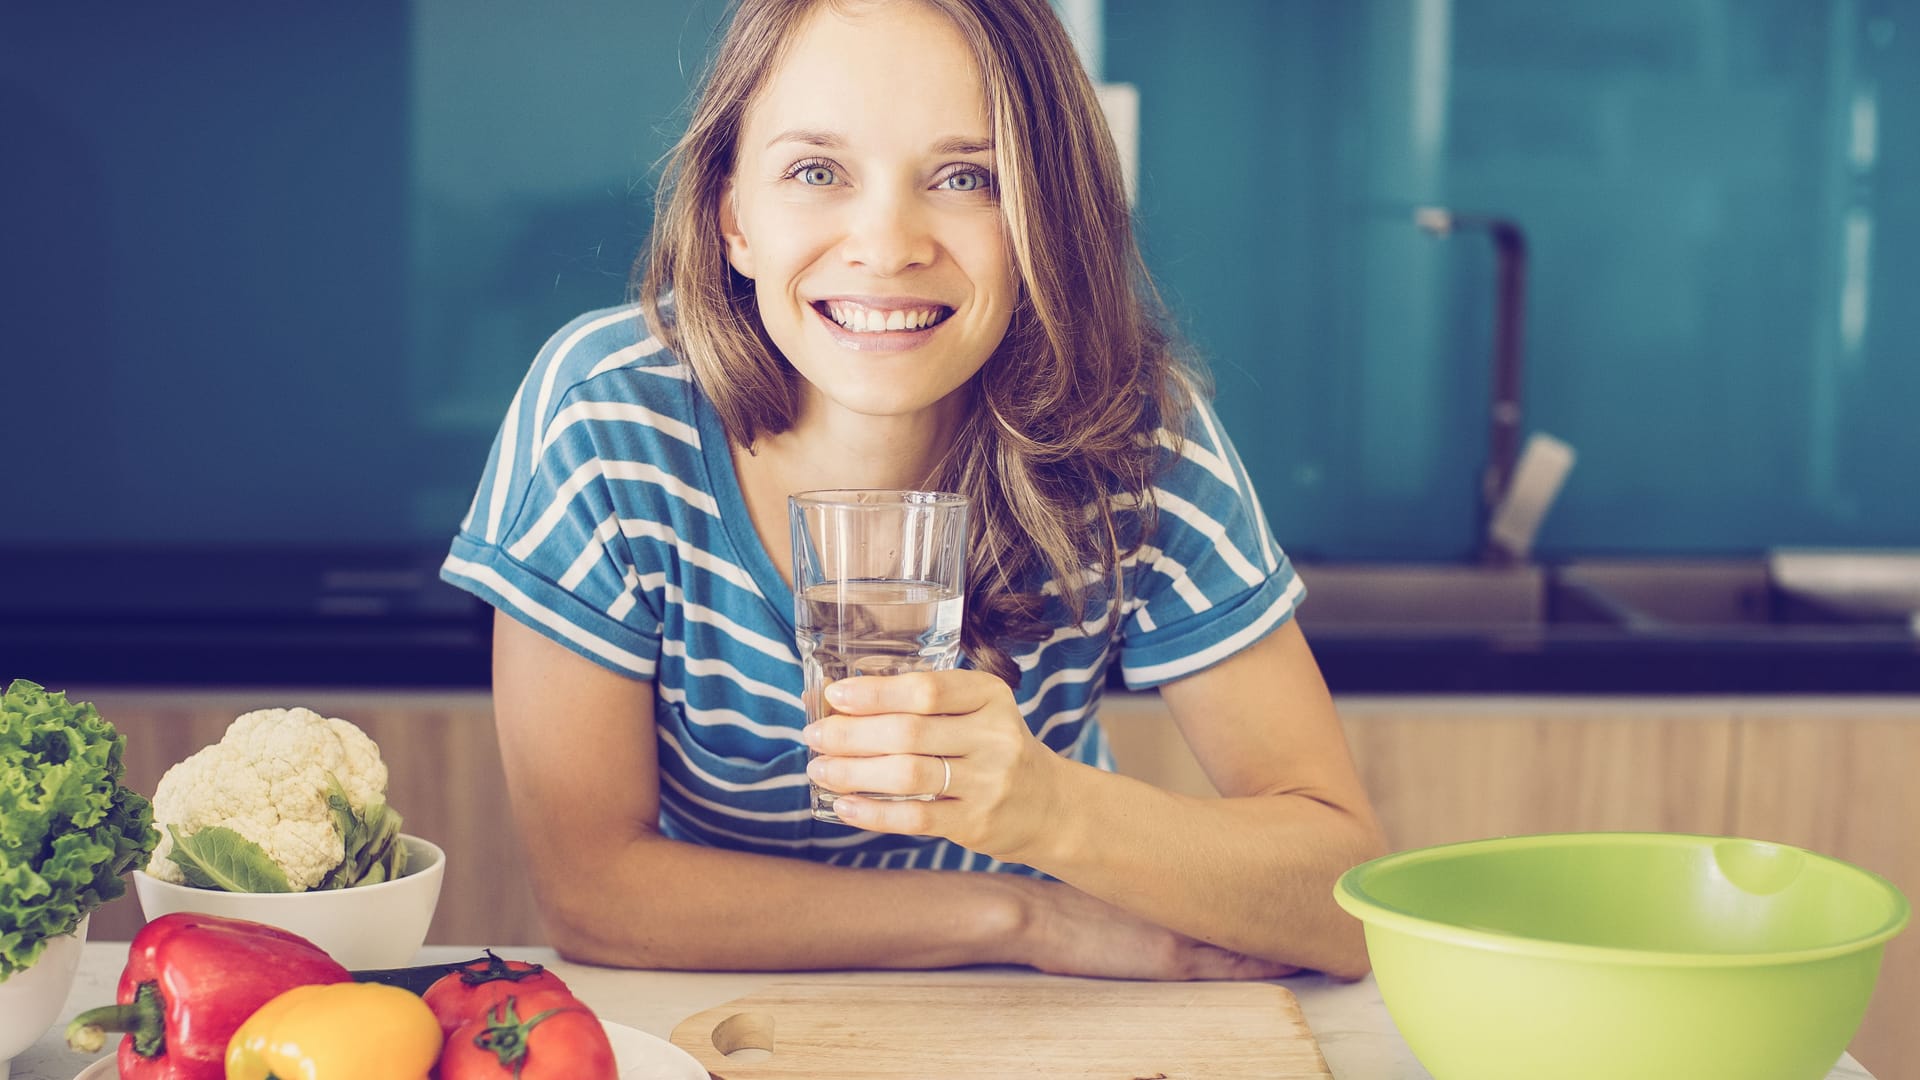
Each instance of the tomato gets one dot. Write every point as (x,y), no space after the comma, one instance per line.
(475,988)
(557,1043)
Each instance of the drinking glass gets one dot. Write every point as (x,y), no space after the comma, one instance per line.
(879,578)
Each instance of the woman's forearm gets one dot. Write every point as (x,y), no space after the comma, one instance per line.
(1255,871)
(1252,874)
(659,903)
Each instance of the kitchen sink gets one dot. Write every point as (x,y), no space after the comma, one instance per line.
(1651,595)
(1423,598)
(1599,626)
(1736,596)
(1590,599)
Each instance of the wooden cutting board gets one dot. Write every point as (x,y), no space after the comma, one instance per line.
(866,1027)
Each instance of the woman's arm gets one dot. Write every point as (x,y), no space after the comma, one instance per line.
(579,748)
(1251,872)
(1259,864)
(578,744)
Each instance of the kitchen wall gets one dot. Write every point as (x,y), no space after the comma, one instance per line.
(239,238)
(1722,205)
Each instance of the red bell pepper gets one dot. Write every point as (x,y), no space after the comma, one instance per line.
(191,980)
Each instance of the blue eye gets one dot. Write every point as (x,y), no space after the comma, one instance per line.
(968,180)
(813,174)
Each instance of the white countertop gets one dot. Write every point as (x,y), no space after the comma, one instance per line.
(1355,1034)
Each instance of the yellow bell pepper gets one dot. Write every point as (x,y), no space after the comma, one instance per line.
(338,1031)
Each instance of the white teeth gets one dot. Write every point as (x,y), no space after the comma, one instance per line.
(864,320)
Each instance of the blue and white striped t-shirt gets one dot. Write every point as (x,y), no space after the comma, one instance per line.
(610,520)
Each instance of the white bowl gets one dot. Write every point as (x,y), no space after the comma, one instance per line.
(30,1000)
(364,927)
(1864,583)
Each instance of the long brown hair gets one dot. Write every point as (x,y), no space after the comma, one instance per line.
(1061,436)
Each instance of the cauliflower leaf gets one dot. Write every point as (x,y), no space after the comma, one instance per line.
(216,857)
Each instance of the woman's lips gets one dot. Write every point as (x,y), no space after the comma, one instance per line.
(877,340)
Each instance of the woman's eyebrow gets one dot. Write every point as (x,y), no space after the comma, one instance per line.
(833,140)
(825,139)
(963,144)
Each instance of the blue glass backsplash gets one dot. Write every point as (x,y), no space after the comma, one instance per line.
(1722,199)
(271,276)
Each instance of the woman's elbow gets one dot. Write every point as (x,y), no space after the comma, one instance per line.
(583,920)
(577,929)
(1349,961)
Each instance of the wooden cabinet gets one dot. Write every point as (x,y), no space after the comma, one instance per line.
(1843,783)
(1447,771)
(444,778)
(1833,775)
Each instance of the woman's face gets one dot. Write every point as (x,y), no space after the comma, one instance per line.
(863,207)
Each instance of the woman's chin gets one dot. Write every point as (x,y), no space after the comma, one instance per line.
(875,399)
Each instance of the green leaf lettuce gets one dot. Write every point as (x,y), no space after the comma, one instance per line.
(68,828)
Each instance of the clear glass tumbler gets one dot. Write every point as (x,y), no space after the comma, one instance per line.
(879,580)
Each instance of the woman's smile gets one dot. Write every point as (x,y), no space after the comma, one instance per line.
(878,325)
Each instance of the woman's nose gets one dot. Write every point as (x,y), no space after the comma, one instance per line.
(888,234)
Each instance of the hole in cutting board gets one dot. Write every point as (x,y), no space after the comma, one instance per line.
(746,1038)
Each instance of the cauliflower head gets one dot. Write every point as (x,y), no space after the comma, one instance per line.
(268,779)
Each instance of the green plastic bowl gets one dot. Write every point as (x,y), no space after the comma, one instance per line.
(1623,956)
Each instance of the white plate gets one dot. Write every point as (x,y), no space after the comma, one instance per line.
(648,1057)
(639,1055)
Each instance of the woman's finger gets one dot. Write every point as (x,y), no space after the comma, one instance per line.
(891,733)
(1213,962)
(890,774)
(917,818)
(929,693)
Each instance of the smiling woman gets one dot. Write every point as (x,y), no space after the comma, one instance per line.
(816,218)
(956,150)
(893,251)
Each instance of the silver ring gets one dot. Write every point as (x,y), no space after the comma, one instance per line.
(945,780)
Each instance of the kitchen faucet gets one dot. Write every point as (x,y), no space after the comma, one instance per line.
(1503,433)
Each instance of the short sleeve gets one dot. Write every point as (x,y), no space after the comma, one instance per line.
(1208,579)
(542,542)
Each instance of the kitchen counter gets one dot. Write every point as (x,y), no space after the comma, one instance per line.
(383,619)
(374,651)
(1349,1021)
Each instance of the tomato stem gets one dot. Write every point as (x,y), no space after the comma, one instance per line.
(496,970)
(506,1035)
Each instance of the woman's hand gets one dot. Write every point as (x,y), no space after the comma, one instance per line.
(1071,933)
(958,734)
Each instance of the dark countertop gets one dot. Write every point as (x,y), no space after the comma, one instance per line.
(382,619)
(369,651)
(1616,663)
